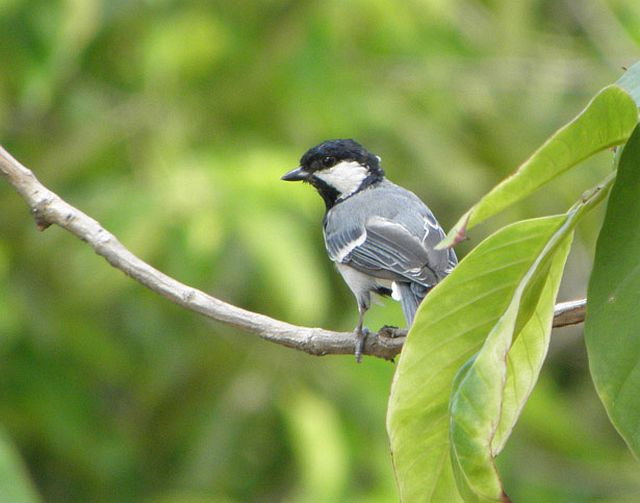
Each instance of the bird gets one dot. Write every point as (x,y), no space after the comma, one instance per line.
(380,236)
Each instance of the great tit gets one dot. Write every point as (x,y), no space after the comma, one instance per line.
(381,237)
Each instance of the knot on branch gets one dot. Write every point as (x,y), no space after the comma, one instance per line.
(40,211)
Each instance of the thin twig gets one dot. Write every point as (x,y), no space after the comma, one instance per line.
(569,313)
(48,208)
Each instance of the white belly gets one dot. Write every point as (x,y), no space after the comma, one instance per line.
(362,284)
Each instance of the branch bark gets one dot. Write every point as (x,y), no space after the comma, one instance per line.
(48,208)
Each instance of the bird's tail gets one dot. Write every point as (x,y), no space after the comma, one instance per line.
(411,294)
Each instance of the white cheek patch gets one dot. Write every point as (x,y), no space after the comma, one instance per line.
(345,176)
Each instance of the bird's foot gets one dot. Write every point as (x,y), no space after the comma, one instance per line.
(392,332)
(361,337)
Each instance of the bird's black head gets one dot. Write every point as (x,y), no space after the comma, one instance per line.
(338,169)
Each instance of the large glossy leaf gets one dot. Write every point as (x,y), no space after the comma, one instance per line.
(486,394)
(612,329)
(606,121)
(451,326)
(527,354)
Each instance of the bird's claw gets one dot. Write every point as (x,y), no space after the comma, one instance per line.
(361,337)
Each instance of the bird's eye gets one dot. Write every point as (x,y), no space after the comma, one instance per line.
(328,161)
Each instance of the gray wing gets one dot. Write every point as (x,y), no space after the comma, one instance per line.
(389,250)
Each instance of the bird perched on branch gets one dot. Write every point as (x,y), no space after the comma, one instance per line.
(381,237)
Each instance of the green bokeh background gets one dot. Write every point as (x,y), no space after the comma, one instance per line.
(171,122)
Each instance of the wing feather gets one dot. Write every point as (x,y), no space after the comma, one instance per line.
(388,250)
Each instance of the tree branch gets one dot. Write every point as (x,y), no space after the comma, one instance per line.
(48,208)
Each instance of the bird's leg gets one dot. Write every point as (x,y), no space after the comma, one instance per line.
(361,334)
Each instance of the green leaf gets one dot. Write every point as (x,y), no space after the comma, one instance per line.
(527,354)
(488,394)
(606,121)
(612,327)
(451,326)
(469,303)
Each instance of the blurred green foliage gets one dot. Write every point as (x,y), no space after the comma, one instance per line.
(171,122)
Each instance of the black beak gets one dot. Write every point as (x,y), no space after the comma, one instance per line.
(295,175)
